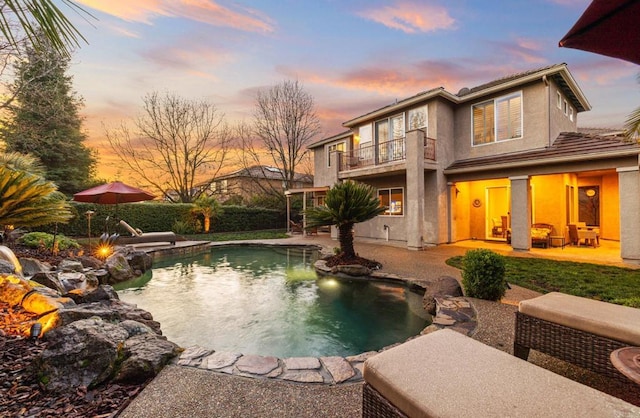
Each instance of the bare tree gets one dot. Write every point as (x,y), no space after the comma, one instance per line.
(284,123)
(176,143)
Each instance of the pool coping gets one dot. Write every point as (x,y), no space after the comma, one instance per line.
(455,313)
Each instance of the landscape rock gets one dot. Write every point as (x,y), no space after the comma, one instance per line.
(139,261)
(68,265)
(74,280)
(49,280)
(91,262)
(83,353)
(145,355)
(102,292)
(118,268)
(6,267)
(352,270)
(32,266)
(442,286)
(109,310)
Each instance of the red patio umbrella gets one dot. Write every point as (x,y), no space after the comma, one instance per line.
(112,194)
(608,27)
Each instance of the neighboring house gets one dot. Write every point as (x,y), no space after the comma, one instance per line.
(254,181)
(505,154)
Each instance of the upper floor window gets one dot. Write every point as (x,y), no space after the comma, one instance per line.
(497,120)
(332,152)
(559,100)
(417,118)
(392,200)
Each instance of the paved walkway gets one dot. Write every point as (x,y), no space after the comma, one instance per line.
(191,392)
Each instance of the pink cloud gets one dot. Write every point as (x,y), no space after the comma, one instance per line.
(204,11)
(411,16)
(603,71)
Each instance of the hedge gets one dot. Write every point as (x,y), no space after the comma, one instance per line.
(155,216)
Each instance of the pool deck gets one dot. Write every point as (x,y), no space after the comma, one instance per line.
(180,391)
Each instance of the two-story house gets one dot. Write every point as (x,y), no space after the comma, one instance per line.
(487,163)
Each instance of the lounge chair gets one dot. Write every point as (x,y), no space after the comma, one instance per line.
(139,237)
(295,227)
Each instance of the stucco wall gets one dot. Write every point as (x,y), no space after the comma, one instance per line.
(535,125)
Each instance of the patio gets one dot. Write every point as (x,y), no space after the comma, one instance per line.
(181,391)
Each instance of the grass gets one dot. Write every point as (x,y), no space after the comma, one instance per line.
(237,236)
(608,283)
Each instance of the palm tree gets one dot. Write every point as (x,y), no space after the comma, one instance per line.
(346,204)
(632,124)
(26,198)
(40,18)
(209,208)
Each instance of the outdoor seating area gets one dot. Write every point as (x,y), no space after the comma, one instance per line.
(578,330)
(580,233)
(422,377)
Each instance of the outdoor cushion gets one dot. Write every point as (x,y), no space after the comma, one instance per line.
(446,374)
(540,233)
(620,323)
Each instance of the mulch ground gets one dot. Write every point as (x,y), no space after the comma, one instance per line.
(21,395)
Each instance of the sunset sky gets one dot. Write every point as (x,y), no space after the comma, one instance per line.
(352,56)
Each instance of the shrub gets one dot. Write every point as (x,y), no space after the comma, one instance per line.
(43,239)
(483,274)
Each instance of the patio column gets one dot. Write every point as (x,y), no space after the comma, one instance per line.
(414,197)
(629,190)
(520,213)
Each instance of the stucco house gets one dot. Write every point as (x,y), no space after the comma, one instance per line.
(487,163)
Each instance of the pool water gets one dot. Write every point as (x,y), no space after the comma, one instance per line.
(269,301)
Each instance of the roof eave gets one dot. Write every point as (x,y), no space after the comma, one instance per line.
(542,161)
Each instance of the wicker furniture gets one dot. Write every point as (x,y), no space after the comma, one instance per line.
(446,374)
(580,331)
(540,233)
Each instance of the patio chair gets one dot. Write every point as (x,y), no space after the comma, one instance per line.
(139,237)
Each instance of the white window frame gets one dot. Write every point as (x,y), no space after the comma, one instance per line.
(559,102)
(566,108)
(332,148)
(496,115)
(402,205)
(571,113)
(365,133)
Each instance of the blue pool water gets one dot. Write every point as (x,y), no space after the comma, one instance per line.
(269,301)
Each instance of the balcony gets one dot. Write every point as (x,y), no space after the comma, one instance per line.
(383,153)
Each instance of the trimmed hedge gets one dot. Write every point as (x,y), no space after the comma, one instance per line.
(156,216)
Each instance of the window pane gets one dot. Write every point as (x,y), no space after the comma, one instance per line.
(398,127)
(383,195)
(509,117)
(395,205)
(483,123)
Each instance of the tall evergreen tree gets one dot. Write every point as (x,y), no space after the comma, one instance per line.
(44,120)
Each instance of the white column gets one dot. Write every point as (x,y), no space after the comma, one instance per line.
(520,213)
(629,190)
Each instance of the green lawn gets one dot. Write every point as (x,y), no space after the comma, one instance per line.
(236,236)
(608,283)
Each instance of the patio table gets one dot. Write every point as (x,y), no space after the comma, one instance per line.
(627,360)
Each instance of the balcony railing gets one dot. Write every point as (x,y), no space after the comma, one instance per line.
(383,153)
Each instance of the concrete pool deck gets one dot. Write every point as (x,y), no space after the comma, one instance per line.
(190,392)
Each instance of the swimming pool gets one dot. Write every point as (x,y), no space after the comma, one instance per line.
(268,301)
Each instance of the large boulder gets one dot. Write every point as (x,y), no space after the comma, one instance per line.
(49,280)
(74,280)
(118,268)
(89,261)
(6,267)
(91,351)
(110,310)
(442,286)
(102,292)
(139,261)
(145,355)
(83,353)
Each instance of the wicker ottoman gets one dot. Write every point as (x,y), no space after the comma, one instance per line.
(446,374)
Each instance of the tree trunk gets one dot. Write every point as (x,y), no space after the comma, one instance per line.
(207,224)
(345,237)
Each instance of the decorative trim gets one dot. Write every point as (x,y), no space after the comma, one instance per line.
(476,203)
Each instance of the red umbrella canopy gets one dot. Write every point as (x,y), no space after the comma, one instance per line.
(608,27)
(112,194)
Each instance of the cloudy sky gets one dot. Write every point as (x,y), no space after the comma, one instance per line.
(353,56)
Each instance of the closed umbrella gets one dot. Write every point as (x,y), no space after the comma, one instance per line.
(608,27)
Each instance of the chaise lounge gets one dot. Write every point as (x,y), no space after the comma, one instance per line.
(139,237)
(447,374)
